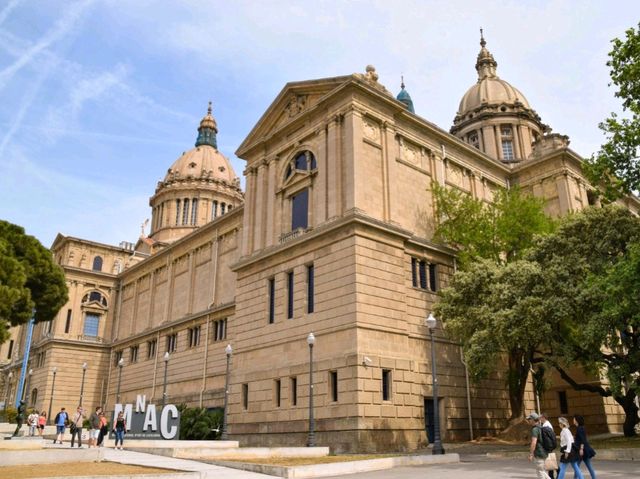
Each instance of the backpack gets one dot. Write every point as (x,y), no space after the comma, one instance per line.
(548,439)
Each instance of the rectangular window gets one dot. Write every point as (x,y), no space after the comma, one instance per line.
(133,354)
(91,325)
(10,349)
(194,211)
(177,212)
(300,210)
(117,357)
(433,277)
(290,295)
(194,336)
(333,385)
(423,274)
(294,391)
(214,210)
(185,211)
(310,289)
(172,342)
(386,384)
(272,300)
(414,272)
(151,348)
(277,391)
(507,150)
(48,327)
(245,396)
(219,330)
(67,324)
(562,400)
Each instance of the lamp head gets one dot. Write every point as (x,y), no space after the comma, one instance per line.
(311,339)
(121,362)
(84,366)
(55,369)
(10,374)
(166,357)
(431,321)
(30,372)
(228,350)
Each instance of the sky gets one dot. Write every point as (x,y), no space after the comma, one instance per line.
(100,97)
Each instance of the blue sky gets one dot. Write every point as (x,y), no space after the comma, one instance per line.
(99,97)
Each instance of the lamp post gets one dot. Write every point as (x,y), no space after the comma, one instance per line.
(437,444)
(84,372)
(164,388)
(26,394)
(120,364)
(227,350)
(6,389)
(53,385)
(311,439)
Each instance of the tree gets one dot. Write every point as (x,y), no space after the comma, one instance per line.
(30,281)
(592,284)
(616,167)
(482,307)
(493,309)
(199,424)
(500,231)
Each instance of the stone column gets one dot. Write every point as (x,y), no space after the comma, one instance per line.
(272,179)
(259,205)
(249,209)
(320,183)
(333,166)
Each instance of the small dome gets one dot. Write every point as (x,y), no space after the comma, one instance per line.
(405,98)
(491,91)
(202,162)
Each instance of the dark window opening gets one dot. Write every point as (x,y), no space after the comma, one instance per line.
(67,324)
(10,349)
(433,277)
(91,325)
(333,385)
(245,396)
(133,354)
(310,289)
(172,342)
(564,405)
(290,295)
(294,391)
(386,385)
(414,272)
(300,210)
(272,300)
(277,391)
(97,263)
(423,274)
(151,348)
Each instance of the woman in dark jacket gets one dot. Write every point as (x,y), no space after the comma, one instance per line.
(585,451)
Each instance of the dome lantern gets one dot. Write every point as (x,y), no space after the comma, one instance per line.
(207,130)
(404,97)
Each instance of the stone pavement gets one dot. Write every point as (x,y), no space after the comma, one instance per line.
(205,470)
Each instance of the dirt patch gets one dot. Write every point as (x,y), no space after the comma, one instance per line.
(306,461)
(71,469)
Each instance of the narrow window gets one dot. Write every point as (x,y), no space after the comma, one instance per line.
(177,212)
(564,405)
(245,396)
(310,289)
(185,211)
(299,210)
(194,336)
(172,341)
(133,354)
(224,328)
(117,357)
(215,331)
(507,149)
(214,210)
(229,208)
(272,300)
(277,391)
(194,211)
(151,348)
(67,324)
(290,295)
(161,215)
(333,385)
(10,349)
(48,327)
(386,385)
(414,272)
(422,266)
(433,277)
(97,263)
(294,391)
(222,205)
(91,325)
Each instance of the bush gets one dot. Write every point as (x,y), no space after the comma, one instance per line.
(10,415)
(199,424)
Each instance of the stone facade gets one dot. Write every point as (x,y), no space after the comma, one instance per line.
(332,236)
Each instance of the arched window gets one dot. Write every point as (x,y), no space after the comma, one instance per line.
(222,205)
(214,210)
(194,211)
(94,297)
(303,161)
(97,263)
(185,211)
(34,396)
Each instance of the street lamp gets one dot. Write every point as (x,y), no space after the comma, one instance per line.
(84,372)
(26,393)
(437,444)
(6,389)
(164,389)
(120,364)
(53,385)
(311,439)
(227,350)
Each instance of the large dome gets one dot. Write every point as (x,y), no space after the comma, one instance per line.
(491,91)
(202,162)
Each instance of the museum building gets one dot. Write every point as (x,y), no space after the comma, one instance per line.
(332,235)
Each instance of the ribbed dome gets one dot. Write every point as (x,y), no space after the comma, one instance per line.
(202,162)
(491,91)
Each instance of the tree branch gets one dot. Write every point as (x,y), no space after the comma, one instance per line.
(582,387)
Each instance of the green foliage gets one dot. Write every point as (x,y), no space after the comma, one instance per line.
(199,424)
(29,280)
(9,415)
(616,167)
(500,231)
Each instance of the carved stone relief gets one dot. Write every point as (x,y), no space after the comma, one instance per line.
(370,130)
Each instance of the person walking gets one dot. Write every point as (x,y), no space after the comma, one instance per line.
(537,454)
(568,453)
(32,422)
(585,451)
(61,420)
(42,422)
(94,421)
(103,428)
(76,426)
(119,429)
(551,463)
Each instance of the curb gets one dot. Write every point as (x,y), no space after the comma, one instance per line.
(628,454)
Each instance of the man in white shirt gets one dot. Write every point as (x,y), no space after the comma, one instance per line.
(32,422)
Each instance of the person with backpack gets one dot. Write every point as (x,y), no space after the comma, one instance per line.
(568,453)
(585,450)
(61,420)
(551,463)
(537,453)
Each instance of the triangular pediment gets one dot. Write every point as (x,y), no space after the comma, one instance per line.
(294,100)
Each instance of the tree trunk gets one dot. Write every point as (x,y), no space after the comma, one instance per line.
(517,379)
(628,403)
